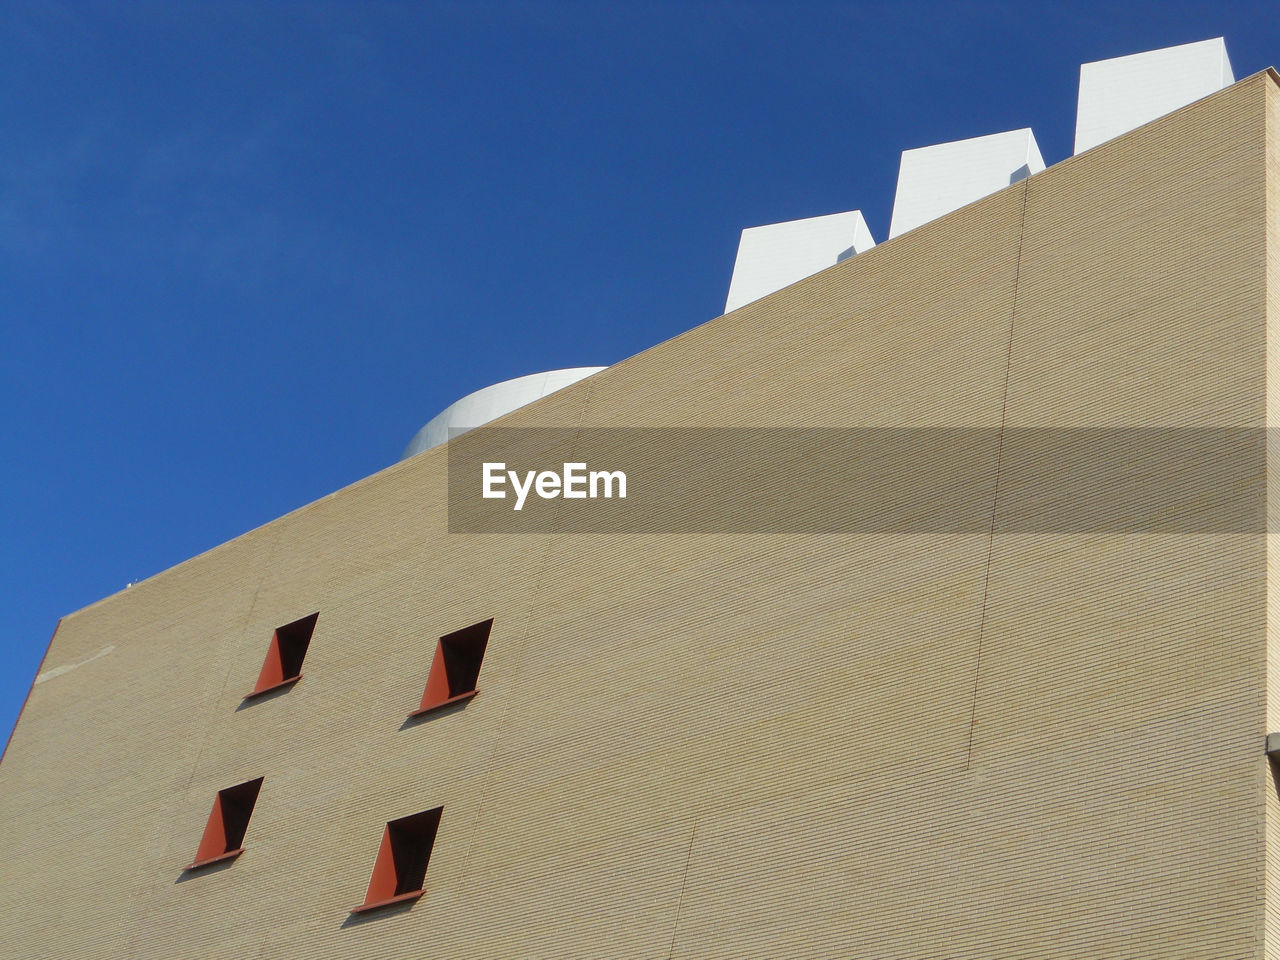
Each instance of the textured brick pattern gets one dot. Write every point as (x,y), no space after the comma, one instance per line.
(1273,522)
(739,746)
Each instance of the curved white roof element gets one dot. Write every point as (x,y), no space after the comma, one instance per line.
(780,254)
(491,402)
(933,181)
(1123,93)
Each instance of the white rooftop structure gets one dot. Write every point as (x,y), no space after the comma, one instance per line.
(780,254)
(1120,94)
(933,181)
(1115,96)
(491,402)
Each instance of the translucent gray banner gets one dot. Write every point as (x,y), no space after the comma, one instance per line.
(863,480)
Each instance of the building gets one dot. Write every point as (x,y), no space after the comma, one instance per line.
(937,745)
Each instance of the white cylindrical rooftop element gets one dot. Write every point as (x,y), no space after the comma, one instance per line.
(779,254)
(489,403)
(1120,94)
(935,180)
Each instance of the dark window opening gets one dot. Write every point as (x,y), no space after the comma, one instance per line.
(288,648)
(455,668)
(224,833)
(401,867)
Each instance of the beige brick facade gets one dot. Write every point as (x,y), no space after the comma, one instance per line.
(714,746)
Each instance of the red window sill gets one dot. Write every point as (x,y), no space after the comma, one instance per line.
(229,855)
(398,898)
(460,698)
(289,681)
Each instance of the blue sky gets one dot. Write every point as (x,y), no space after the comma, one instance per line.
(247,249)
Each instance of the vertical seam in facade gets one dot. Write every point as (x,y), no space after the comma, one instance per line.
(684,880)
(533,604)
(133,948)
(995,498)
(244,630)
(226,680)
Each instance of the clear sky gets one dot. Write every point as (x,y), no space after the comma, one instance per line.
(248,249)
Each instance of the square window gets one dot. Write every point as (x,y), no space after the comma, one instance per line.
(401,867)
(224,833)
(283,665)
(455,667)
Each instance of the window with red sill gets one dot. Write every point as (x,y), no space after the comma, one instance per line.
(288,648)
(401,867)
(223,838)
(455,669)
